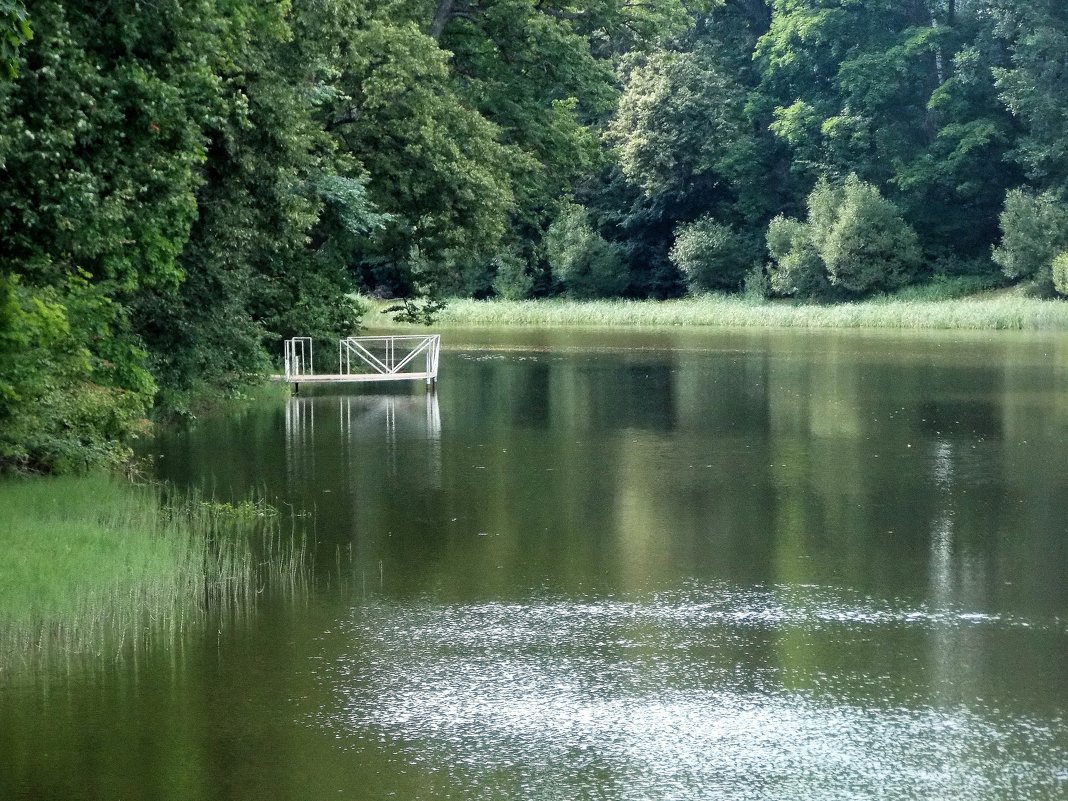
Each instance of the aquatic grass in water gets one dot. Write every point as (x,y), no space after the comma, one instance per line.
(92,565)
(1004,312)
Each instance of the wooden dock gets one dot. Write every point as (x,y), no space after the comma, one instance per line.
(366,359)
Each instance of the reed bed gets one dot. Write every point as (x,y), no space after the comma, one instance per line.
(991,312)
(95,566)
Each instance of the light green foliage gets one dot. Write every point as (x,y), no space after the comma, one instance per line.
(15,31)
(585,263)
(678,118)
(796,269)
(1060,273)
(1034,231)
(868,246)
(712,255)
(72,388)
(854,240)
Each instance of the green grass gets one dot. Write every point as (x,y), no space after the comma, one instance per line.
(93,565)
(983,312)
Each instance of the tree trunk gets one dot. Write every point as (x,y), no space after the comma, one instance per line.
(442,15)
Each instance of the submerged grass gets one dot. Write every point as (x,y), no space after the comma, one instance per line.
(95,565)
(984,312)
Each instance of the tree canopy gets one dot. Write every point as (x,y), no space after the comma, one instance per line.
(182,189)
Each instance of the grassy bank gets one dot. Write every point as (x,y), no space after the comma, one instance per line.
(93,565)
(989,312)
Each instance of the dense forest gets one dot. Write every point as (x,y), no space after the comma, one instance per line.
(184,183)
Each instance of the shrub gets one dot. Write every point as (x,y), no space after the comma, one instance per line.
(513,280)
(854,240)
(1060,273)
(1034,229)
(797,269)
(711,255)
(588,265)
(65,405)
(869,246)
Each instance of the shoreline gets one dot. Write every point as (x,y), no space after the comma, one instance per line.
(998,313)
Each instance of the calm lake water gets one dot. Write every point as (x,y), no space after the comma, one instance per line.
(664,565)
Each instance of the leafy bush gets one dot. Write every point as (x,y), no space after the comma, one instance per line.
(1060,273)
(869,246)
(797,269)
(712,255)
(854,240)
(512,280)
(588,265)
(73,388)
(1034,230)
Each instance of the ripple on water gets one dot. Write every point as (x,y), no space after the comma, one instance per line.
(668,698)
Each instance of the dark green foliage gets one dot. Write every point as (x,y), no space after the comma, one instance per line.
(1034,85)
(419,310)
(902,94)
(183,187)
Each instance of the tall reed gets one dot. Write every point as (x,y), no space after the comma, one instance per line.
(94,566)
(1003,312)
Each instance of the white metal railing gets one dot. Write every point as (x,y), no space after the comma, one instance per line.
(396,357)
(298,357)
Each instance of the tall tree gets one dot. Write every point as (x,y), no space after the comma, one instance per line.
(1035,85)
(900,93)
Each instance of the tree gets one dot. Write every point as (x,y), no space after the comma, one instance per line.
(1034,87)
(587,265)
(1060,273)
(688,145)
(902,94)
(862,238)
(712,255)
(856,236)
(797,268)
(15,31)
(1034,232)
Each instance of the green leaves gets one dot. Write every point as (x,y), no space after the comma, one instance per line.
(678,118)
(712,255)
(1033,86)
(854,240)
(1034,232)
(15,31)
(586,264)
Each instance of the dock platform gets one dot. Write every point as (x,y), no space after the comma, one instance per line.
(406,357)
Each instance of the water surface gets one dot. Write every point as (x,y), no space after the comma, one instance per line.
(605,565)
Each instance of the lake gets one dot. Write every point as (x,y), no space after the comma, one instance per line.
(617,565)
